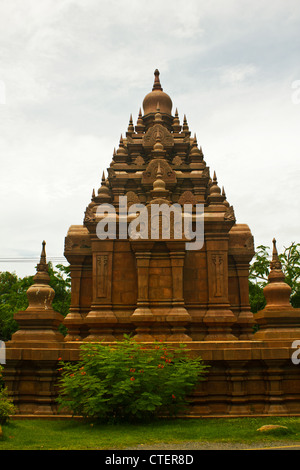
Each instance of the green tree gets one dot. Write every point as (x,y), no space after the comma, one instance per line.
(13,296)
(259,271)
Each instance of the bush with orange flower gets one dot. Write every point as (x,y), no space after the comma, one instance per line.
(126,380)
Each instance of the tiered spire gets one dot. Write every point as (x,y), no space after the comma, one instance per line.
(156,85)
(130,129)
(159,185)
(103,192)
(176,123)
(277,292)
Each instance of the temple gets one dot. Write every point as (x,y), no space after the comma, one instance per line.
(135,269)
(153,287)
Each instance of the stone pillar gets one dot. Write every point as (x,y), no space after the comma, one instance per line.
(178,316)
(237,376)
(78,253)
(73,320)
(241,248)
(275,395)
(142,316)
(101,318)
(219,318)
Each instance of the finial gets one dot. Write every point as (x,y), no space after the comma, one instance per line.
(214,189)
(158,148)
(159,184)
(275,263)
(140,126)
(185,126)
(156,85)
(176,123)
(158,117)
(43,253)
(121,154)
(158,173)
(42,266)
(103,191)
(130,129)
(93,193)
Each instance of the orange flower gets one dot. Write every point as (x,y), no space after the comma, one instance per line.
(132,378)
(173,396)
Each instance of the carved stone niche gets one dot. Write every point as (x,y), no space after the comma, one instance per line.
(158,130)
(150,174)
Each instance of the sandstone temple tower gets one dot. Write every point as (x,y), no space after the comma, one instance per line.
(155,289)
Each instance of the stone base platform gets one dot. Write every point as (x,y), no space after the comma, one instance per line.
(245,378)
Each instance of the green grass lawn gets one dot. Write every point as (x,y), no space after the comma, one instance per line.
(70,434)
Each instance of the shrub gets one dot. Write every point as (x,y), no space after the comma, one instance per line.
(7,407)
(127,381)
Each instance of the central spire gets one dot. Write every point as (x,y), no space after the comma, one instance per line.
(157,95)
(156,85)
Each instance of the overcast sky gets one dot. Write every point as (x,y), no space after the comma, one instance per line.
(72,72)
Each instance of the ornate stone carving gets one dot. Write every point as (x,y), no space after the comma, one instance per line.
(205,172)
(139,161)
(158,130)
(229,214)
(218,265)
(177,161)
(132,198)
(187,198)
(101,275)
(167,174)
(89,215)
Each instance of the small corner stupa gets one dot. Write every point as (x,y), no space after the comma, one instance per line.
(278,320)
(39,322)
